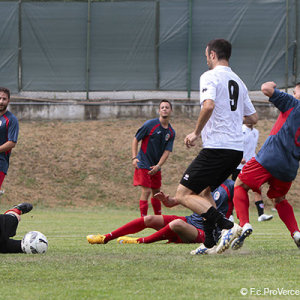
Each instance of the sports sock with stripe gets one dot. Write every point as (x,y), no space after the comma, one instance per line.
(133,226)
(165,233)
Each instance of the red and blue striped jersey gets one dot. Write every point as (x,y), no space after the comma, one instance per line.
(9,130)
(155,140)
(280,152)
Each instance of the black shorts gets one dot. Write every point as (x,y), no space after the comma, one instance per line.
(235,174)
(210,169)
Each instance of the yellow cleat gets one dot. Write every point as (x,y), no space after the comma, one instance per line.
(96,239)
(127,240)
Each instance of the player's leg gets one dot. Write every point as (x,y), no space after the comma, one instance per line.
(208,170)
(134,226)
(261,208)
(143,203)
(187,232)
(252,177)
(156,204)
(9,223)
(277,191)
(8,226)
(176,230)
(286,214)
(2,176)
(155,188)
(142,178)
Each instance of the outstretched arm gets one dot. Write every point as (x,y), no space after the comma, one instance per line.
(166,200)
(268,88)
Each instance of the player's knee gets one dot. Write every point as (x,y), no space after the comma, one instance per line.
(277,200)
(149,220)
(240,183)
(176,224)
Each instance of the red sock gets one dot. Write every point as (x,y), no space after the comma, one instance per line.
(241,204)
(163,234)
(133,226)
(286,214)
(14,210)
(156,206)
(143,207)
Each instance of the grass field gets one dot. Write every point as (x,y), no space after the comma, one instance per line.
(74,269)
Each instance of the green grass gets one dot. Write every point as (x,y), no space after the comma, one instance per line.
(73,269)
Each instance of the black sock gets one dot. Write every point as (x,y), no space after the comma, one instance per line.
(260,207)
(216,218)
(209,234)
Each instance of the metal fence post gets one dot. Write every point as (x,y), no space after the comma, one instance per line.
(20,47)
(189,60)
(88,42)
(287,46)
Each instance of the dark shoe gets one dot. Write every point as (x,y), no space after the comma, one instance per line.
(24,207)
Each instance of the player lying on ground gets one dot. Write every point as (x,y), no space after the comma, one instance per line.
(8,226)
(173,228)
(276,163)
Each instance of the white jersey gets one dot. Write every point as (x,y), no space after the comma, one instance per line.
(224,128)
(250,143)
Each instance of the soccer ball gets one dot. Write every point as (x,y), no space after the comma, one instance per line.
(34,242)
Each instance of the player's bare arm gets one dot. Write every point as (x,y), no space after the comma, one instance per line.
(252,119)
(156,168)
(7,146)
(134,151)
(166,200)
(268,88)
(204,115)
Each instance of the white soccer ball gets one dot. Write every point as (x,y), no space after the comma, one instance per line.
(34,242)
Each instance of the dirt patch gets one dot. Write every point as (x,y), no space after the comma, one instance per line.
(89,163)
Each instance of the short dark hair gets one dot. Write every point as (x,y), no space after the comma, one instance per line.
(164,100)
(298,83)
(6,91)
(221,47)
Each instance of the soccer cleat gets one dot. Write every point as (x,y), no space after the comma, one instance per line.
(296,237)
(127,240)
(24,208)
(96,239)
(227,236)
(264,217)
(202,250)
(239,241)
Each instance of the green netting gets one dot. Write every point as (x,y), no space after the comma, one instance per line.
(143,45)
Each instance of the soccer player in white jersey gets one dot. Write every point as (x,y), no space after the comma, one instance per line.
(225,105)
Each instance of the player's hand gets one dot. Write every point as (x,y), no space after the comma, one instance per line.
(190,139)
(154,170)
(268,88)
(166,200)
(135,162)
